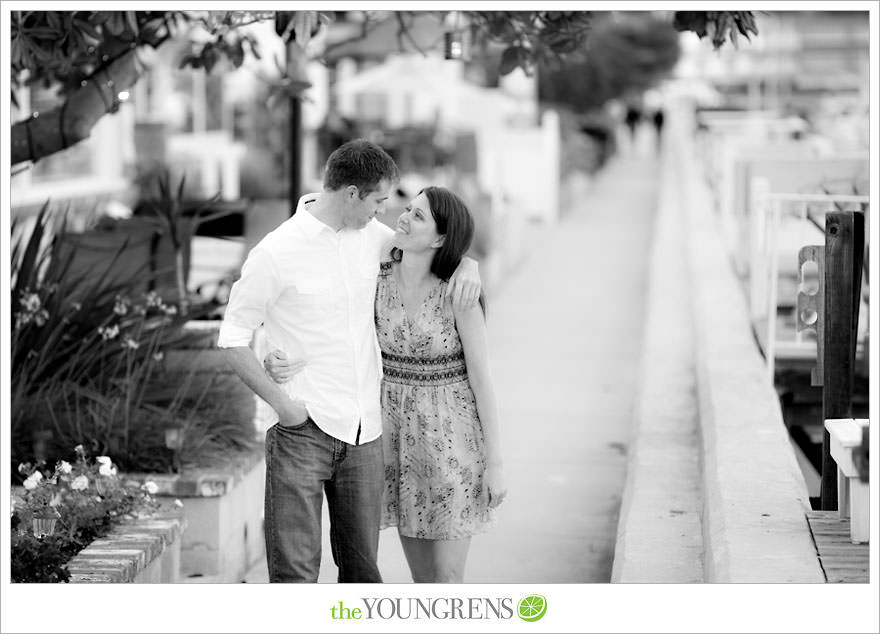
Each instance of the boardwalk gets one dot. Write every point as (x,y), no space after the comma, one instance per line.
(565,337)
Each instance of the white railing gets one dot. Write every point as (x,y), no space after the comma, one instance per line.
(769,212)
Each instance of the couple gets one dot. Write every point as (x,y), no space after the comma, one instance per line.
(325,283)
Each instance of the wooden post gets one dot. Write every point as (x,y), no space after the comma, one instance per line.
(295,149)
(844,252)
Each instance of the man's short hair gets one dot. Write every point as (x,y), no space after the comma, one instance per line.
(360,163)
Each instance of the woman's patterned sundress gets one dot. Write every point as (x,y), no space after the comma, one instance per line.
(432,438)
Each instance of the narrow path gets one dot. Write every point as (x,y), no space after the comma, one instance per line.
(566,336)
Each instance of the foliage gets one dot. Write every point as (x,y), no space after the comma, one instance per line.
(531,37)
(88,366)
(625,54)
(67,47)
(718,25)
(72,48)
(173,218)
(88,498)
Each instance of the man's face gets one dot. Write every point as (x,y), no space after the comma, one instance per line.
(359,211)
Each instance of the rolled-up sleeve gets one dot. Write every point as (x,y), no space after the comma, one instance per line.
(250,298)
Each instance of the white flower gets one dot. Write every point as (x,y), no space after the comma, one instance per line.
(24,467)
(158,356)
(150,487)
(56,499)
(130,343)
(178,504)
(170,310)
(110,332)
(30,302)
(76,306)
(106,468)
(153,299)
(41,317)
(33,480)
(121,306)
(64,467)
(80,483)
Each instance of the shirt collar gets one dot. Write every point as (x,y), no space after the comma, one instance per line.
(309,224)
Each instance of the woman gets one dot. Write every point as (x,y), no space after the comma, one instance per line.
(443,467)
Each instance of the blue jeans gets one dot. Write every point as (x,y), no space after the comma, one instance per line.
(302,464)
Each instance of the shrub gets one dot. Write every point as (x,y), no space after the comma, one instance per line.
(86,499)
(87,366)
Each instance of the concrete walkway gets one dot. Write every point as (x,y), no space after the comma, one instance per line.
(565,336)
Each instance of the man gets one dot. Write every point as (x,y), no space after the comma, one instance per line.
(312,282)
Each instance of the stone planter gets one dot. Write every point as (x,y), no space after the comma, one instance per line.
(223,509)
(137,551)
(223,506)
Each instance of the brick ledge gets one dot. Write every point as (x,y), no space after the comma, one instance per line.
(127,550)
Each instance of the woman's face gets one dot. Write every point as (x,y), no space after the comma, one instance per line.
(416,229)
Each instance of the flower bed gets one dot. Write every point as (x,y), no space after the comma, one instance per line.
(58,513)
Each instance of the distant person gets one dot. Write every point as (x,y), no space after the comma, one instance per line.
(312,283)
(443,466)
(632,119)
(657,119)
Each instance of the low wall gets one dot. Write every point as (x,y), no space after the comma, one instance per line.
(754,496)
(138,551)
(659,532)
(224,514)
(713,492)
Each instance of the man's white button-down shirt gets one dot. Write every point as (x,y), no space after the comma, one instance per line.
(314,288)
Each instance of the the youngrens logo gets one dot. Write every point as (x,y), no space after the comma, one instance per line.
(530,608)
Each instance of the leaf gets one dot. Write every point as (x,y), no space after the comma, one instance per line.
(511,58)
(255,49)
(236,54)
(302,27)
(131,17)
(116,23)
(15,56)
(42,32)
(210,57)
(690,21)
(282,20)
(87,28)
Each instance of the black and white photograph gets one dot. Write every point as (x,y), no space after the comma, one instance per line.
(505,316)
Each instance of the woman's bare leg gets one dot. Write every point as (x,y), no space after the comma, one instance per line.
(436,560)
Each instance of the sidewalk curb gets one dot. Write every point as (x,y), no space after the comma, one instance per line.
(754,497)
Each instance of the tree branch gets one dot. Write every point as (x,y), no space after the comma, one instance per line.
(403,30)
(72,121)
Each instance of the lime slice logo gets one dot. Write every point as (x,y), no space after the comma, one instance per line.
(532,608)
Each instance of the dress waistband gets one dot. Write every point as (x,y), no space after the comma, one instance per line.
(441,370)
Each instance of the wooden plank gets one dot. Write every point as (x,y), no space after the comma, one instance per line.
(844,549)
(842,561)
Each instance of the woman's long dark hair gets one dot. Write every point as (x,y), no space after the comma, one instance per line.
(455,222)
